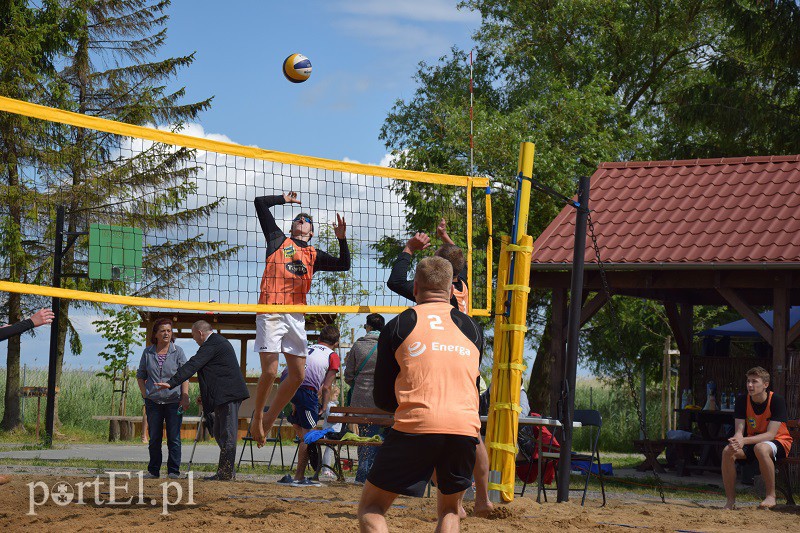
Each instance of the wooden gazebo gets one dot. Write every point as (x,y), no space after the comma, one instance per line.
(687,233)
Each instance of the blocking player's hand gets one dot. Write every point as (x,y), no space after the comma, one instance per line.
(441,232)
(418,242)
(339,227)
(161,386)
(291,198)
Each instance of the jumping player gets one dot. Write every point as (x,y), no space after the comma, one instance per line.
(426,371)
(291,262)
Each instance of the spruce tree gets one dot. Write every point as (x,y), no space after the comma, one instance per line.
(113,71)
(29,37)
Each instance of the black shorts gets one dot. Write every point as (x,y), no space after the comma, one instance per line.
(406,461)
(750,452)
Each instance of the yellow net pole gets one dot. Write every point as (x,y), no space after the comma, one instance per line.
(525,168)
(510,332)
(489,249)
(493,442)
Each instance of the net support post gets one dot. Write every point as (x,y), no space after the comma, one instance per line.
(573,327)
(50,408)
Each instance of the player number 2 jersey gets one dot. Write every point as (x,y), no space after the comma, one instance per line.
(439,365)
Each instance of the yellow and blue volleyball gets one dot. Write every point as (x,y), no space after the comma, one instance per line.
(297,68)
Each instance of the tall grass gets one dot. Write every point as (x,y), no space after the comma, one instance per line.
(620,420)
(82,395)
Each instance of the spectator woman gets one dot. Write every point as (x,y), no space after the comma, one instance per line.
(160,361)
(359,374)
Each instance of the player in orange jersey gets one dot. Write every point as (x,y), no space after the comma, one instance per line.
(291,263)
(761,435)
(426,370)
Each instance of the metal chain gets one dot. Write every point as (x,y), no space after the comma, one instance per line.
(626,363)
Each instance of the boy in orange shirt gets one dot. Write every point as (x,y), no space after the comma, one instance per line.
(761,435)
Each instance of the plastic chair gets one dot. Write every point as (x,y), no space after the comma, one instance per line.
(248,441)
(590,418)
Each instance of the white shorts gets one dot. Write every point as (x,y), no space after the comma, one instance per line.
(281,333)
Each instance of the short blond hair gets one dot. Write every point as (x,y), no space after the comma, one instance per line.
(759,372)
(434,273)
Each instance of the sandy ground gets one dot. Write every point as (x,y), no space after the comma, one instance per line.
(249,505)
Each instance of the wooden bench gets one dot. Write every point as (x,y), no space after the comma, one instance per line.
(346,416)
(792,462)
(709,450)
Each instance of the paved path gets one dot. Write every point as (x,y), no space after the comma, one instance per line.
(205,453)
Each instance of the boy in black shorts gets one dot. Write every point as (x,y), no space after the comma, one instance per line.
(426,370)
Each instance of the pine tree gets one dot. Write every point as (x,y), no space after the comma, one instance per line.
(113,72)
(29,37)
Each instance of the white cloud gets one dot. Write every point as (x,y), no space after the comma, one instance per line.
(419,10)
(371,210)
(407,26)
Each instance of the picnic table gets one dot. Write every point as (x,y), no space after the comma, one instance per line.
(702,453)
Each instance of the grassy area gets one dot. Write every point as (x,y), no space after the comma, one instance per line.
(620,420)
(82,395)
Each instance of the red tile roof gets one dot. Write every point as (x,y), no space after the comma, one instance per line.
(732,211)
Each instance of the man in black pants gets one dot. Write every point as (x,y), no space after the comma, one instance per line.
(222,389)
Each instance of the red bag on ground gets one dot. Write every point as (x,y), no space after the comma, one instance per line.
(528,440)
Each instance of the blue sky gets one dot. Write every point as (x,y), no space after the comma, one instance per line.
(364,55)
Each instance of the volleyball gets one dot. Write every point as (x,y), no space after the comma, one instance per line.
(297,68)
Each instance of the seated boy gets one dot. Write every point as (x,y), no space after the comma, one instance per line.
(761,435)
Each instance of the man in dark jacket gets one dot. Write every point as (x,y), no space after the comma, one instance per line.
(222,389)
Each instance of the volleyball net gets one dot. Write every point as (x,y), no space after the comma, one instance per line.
(155,218)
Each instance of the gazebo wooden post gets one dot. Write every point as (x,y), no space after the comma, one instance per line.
(558,346)
(243,358)
(681,322)
(780,330)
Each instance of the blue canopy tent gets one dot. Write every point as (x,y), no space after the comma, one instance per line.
(742,328)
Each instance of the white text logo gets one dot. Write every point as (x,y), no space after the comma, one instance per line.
(438,347)
(63,494)
(416,349)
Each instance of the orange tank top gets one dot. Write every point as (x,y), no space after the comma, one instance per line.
(435,389)
(287,275)
(757,424)
(462,296)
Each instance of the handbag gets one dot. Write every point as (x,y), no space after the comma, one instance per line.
(349,396)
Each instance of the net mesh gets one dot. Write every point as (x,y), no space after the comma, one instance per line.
(188,205)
